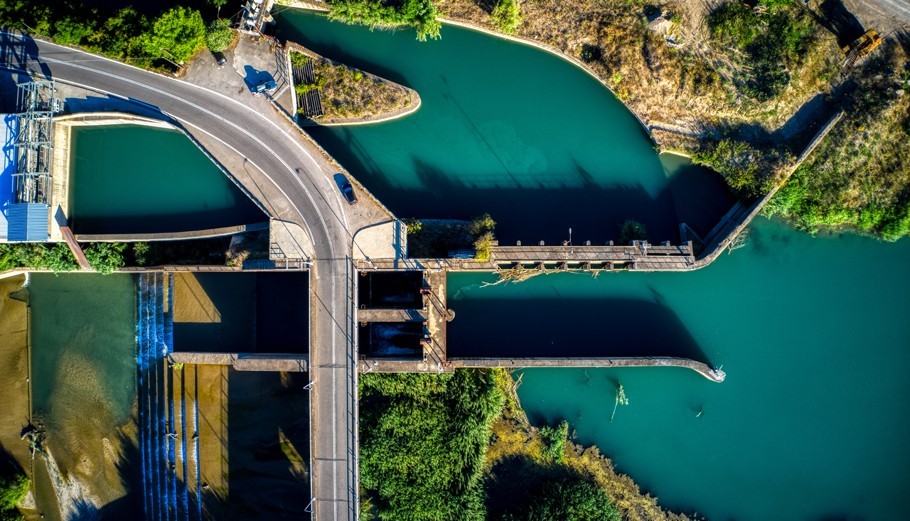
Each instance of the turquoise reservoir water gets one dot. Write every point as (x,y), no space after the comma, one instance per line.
(138,179)
(812,420)
(510,130)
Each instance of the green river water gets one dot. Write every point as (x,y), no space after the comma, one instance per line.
(138,179)
(812,331)
(509,130)
(812,420)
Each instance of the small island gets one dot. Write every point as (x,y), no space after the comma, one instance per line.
(330,93)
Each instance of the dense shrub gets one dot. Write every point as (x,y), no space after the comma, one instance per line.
(507,15)
(13,488)
(423,441)
(555,439)
(632,231)
(177,34)
(420,14)
(124,34)
(105,257)
(567,500)
(747,173)
(55,257)
(219,35)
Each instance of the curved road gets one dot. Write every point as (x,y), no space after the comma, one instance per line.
(280,153)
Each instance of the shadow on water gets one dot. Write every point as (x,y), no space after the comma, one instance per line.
(615,327)
(241,312)
(245,213)
(544,209)
(268,447)
(514,478)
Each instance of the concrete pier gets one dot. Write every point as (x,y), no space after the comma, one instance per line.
(245,362)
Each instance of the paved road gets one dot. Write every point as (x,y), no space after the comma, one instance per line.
(277,150)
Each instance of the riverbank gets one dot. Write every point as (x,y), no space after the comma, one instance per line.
(518,455)
(14,361)
(458,445)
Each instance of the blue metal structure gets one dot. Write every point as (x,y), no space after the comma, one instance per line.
(28,222)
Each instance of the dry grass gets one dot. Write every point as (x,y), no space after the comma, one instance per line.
(860,176)
(349,93)
(514,438)
(686,88)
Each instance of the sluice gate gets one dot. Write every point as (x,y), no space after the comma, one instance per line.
(166,468)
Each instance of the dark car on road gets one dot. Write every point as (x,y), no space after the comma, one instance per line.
(346,189)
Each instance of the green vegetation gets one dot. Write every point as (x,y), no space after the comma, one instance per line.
(55,257)
(125,34)
(507,15)
(348,93)
(859,177)
(105,257)
(567,500)
(423,441)
(555,439)
(748,172)
(426,443)
(219,35)
(770,41)
(299,59)
(177,34)
(13,488)
(481,228)
(433,238)
(621,399)
(526,481)
(632,231)
(420,14)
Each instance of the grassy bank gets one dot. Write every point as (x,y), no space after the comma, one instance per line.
(859,178)
(420,14)
(458,446)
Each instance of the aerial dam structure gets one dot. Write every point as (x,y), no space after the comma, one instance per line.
(352,254)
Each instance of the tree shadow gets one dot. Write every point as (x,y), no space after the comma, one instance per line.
(486,5)
(834,16)
(513,478)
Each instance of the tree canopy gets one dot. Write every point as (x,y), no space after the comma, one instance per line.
(177,34)
(567,500)
(423,441)
(376,13)
(219,35)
